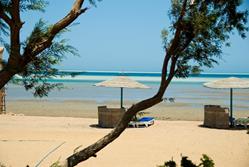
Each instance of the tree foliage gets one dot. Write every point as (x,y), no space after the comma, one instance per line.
(25,6)
(35,58)
(185,162)
(37,73)
(205,28)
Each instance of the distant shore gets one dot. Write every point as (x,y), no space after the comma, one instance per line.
(88,109)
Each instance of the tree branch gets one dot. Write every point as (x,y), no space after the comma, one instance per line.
(176,38)
(164,72)
(5,77)
(56,28)
(172,68)
(15,56)
(16,62)
(173,47)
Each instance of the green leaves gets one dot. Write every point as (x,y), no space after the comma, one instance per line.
(41,63)
(4,31)
(185,162)
(37,74)
(33,5)
(25,5)
(164,36)
(93,2)
(4,28)
(206,161)
(204,29)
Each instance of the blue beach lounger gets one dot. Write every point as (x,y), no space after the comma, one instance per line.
(242,121)
(144,121)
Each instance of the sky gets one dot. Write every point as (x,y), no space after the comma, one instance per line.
(126,36)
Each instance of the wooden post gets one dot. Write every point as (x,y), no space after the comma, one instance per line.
(121,98)
(2,91)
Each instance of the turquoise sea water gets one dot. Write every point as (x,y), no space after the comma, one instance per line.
(148,74)
(79,86)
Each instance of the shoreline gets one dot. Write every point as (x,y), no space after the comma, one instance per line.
(88,109)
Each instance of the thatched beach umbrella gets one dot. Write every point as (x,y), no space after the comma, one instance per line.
(229,83)
(122,82)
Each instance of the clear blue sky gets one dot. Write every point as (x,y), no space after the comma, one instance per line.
(125,36)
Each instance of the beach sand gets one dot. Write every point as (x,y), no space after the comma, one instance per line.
(27,139)
(36,127)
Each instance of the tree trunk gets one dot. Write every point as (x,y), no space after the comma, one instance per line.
(5,76)
(91,150)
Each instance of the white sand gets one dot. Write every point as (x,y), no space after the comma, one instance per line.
(27,139)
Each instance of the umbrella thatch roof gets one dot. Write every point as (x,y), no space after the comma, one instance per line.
(122,82)
(231,82)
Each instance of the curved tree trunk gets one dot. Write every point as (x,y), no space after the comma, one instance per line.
(91,150)
(5,77)
(170,58)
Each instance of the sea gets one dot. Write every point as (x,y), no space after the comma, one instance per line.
(79,85)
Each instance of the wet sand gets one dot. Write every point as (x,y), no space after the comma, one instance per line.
(88,109)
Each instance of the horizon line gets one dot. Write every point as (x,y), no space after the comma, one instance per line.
(149,72)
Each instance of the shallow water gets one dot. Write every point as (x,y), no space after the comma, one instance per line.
(192,93)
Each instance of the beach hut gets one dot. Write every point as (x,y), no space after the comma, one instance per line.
(229,83)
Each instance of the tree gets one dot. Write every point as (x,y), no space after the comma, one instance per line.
(34,58)
(199,30)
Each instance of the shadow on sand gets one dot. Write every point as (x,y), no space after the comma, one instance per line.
(237,127)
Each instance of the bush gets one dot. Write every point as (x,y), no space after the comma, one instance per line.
(185,162)
(2,165)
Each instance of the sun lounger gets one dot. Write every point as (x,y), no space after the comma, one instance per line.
(242,121)
(144,121)
(170,99)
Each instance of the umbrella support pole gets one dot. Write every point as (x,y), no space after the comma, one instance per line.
(121,98)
